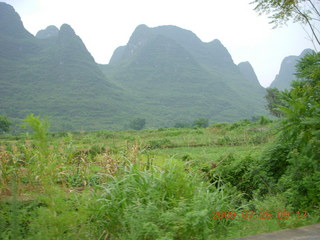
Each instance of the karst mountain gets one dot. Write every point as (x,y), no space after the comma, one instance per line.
(164,74)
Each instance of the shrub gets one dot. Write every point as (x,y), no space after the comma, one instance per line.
(4,123)
(168,203)
(137,123)
(242,172)
(264,120)
(294,160)
(161,143)
(40,131)
(201,123)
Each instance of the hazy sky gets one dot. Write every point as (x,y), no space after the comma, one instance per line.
(103,25)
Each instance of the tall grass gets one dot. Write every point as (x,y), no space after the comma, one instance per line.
(167,203)
(133,185)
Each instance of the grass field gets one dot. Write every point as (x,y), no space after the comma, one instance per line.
(149,184)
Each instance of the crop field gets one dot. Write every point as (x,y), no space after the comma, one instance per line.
(168,183)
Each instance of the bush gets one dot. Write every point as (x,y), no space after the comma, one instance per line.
(201,123)
(4,123)
(161,143)
(264,120)
(242,172)
(137,124)
(40,129)
(294,160)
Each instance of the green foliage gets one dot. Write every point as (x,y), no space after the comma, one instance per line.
(303,11)
(182,125)
(242,172)
(51,216)
(15,217)
(274,101)
(201,123)
(169,65)
(40,131)
(95,150)
(167,203)
(264,120)
(4,123)
(137,123)
(294,160)
(161,143)
(239,124)
(58,77)
(308,68)
(112,185)
(61,217)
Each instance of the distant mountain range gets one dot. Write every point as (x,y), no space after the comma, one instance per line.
(173,73)
(287,71)
(53,74)
(164,74)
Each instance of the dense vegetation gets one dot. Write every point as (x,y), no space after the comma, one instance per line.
(195,181)
(173,76)
(167,183)
(149,184)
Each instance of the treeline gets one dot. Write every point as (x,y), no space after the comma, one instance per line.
(291,164)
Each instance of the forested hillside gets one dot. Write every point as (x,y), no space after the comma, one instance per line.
(171,68)
(164,75)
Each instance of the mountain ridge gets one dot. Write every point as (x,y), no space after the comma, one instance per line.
(287,71)
(247,70)
(144,66)
(164,74)
(59,78)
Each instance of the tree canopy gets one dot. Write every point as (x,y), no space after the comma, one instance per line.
(273,98)
(137,123)
(294,159)
(4,123)
(306,12)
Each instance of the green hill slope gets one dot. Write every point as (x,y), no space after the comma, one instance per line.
(55,76)
(164,74)
(176,77)
(287,71)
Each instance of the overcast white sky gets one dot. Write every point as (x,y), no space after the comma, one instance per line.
(103,25)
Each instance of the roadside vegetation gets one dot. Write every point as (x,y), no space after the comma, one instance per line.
(194,181)
(202,182)
(149,184)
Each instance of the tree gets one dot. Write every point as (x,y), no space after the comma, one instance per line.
(273,98)
(294,159)
(40,131)
(4,123)
(137,123)
(306,12)
(201,123)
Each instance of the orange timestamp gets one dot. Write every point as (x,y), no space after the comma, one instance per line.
(258,215)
